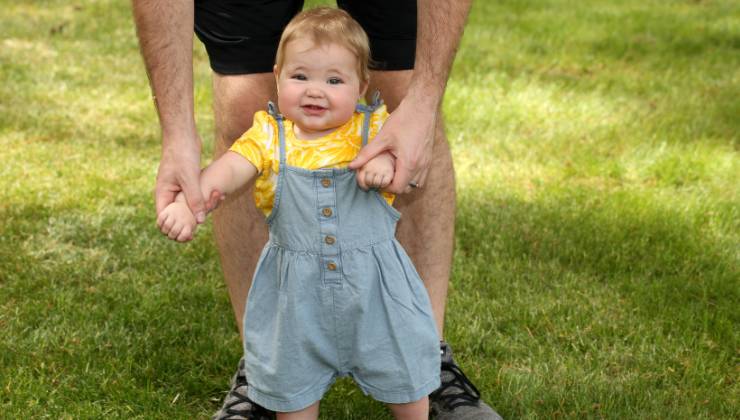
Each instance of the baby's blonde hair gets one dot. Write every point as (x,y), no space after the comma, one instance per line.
(327,25)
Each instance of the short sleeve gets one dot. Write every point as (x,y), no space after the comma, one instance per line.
(257,143)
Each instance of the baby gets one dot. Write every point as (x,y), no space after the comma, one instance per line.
(334,293)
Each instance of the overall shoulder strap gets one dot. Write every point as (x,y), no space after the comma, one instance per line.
(272,110)
(367,111)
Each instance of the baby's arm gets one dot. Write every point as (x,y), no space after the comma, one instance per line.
(226,175)
(377,172)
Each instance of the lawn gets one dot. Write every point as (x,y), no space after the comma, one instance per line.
(597,264)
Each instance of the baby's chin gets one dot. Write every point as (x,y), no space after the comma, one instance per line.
(317,125)
(310,131)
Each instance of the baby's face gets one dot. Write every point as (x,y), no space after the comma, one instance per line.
(318,87)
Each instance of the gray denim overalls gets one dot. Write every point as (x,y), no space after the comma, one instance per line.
(335,294)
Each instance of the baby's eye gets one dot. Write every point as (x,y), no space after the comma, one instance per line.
(299,76)
(334,81)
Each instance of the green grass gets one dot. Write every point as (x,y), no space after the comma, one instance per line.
(598,233)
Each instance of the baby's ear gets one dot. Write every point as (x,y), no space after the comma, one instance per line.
(363,87)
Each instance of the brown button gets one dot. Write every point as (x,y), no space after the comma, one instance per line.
(330,240)
(326,212)
(326,182)
(331,266)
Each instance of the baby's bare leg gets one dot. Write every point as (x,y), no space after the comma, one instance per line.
(417,410)
(308,413)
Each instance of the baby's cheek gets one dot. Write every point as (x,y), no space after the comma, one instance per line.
(346,104)
(345,113)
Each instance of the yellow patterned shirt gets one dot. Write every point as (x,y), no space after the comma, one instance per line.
(261,146)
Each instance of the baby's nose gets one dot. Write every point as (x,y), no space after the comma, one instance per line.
(314,92)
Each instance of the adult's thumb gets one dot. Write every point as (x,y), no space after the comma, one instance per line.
(366,153)
(194,197)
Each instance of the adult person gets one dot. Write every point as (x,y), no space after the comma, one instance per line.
(413,45)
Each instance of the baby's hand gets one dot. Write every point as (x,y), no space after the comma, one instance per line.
(177,222)
(377,172)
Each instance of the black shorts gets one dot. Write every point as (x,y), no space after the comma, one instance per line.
(241,36)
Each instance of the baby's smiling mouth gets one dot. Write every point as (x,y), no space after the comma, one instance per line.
(313,109)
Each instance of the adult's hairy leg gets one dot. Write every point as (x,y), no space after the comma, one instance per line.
(239,228)
(426,229)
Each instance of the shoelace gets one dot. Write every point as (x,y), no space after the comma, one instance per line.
(251,411)
(468,394)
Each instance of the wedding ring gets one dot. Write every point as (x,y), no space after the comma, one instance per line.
(413,184)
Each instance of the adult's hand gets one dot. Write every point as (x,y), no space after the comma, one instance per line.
(179,170)
(408,134)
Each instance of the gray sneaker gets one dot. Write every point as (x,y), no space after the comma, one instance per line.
(457,398)
(237,406)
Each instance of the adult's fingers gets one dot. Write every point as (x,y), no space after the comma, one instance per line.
(407,172)
(368,152)
(194,198)
(164,194)
(401,179)
(421,177)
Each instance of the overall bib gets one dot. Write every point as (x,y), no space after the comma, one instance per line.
(334,294)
